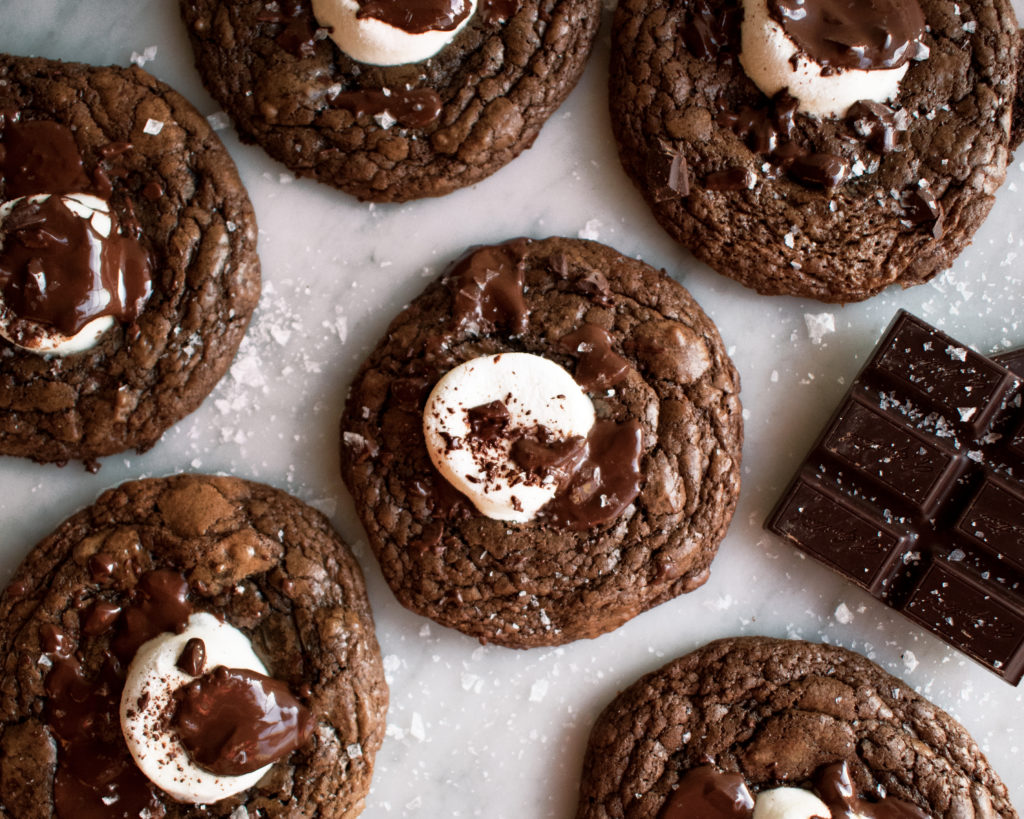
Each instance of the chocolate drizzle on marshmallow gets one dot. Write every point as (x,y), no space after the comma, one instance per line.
(416,16)
(234,721)
(64,259)
(858,34)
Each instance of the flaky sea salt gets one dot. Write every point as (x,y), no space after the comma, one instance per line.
(819,325)
(152,127)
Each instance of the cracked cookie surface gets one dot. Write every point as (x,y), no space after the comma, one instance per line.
(263,561)
(497,85)
(775,711)
(196,221)
(782,237)
(536,583)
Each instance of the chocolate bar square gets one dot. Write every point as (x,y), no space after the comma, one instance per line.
(915,491)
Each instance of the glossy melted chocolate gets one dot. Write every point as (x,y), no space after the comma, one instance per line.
(416,16)
(487,289)
(598,366)
(234,721)
(859,34)
(40,156)
(416,108)
(708,793)
(96,777)
(57,270)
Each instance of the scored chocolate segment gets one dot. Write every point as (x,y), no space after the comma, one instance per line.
(915,491)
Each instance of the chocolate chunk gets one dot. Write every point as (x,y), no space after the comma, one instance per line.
(669,174)
(598,366)
(875,123)
(921,207)
(730,179)
(822,170)
(193,657)
(915,492)
(710,33)
(488,421)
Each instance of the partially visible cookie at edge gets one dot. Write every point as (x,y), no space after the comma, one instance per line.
(143,151)
(653,367)
(916,176)
(390,133)
(780,713)
(137,562)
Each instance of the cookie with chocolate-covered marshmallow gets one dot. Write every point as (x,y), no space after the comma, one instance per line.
(828,164)
(387,103)
(545,443)
(188,646)
(756,721)
(128,266)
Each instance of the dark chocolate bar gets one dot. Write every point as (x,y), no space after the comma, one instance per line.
(915,491)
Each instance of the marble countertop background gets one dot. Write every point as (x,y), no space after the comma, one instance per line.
(480,730)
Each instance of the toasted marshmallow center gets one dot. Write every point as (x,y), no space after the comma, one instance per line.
(147,704)
(773,61)
(375,42)
(536,393)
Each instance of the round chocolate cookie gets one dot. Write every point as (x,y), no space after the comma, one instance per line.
(124,137)
(393,133)
(832,208)
(140,562)
(642,501)
(776,713)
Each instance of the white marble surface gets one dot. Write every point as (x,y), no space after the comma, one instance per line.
(485,731)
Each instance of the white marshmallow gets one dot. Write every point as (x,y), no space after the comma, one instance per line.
(773,61)
(535,391)
(789,803)
(153,677)
(46,340)
(375,42)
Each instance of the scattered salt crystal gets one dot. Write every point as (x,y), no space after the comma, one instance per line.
(148,55)
(152,127)
(285,178)
(966,413)
(354,750)
(789,239)
(384,120)
(591,230)
(391,662)
(218,120)
(843,614)
(774,376)
(956,353)
(971,26)
(416,727)
(819,325)
(538,690)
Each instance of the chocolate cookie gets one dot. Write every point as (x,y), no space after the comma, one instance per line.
(139,563)
(125,142)
(643,498)
(782,713)
(391,133)
(833,208)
